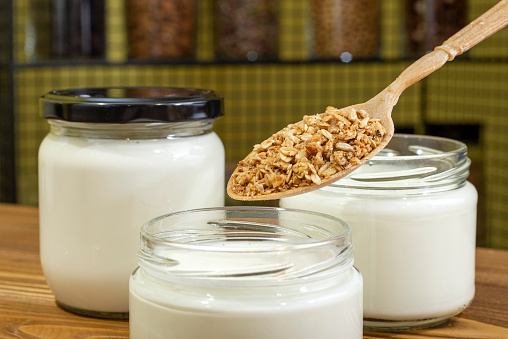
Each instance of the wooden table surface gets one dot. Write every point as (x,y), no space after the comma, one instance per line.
(28,310)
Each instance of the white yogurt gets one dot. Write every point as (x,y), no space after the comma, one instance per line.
(99,183)
(160,311)
(415,247)
(245,288)
(96,194)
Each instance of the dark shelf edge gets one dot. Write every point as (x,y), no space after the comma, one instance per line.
(94,63)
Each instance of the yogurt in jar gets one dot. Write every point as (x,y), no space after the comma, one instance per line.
(246,273)
(99,182)
(413,219)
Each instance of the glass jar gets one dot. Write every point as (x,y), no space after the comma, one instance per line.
(345,29)
(430,22)
(161,29)
(413,216)
(65,29)
(246,29)
(246,272)
(114,158)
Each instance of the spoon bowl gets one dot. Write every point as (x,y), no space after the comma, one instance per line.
(381,106)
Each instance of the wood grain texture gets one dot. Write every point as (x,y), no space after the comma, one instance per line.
(27,306)
(28,310)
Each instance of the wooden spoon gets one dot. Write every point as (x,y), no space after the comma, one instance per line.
(381,105)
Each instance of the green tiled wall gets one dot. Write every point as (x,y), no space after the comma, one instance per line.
(262,98)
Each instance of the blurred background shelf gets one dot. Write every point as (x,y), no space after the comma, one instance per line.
(467,99)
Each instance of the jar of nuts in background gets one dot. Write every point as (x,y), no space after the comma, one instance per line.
(246,29)
(345,29)
(161,28)
(430,22)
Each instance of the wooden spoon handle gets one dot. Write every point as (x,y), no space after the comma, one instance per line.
(484,26)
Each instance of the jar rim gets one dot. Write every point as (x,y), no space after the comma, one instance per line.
(252,245)
(411,161)
(131,104)
(238,210)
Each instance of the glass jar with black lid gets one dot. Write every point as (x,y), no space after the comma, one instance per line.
(114,158)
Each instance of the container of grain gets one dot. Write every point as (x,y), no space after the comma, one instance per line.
(430,22)
(345,29)
(246,30)
(161,29)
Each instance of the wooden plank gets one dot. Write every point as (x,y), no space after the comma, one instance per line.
(28,309)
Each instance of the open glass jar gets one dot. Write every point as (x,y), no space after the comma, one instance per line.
(246,272)
(114,158)
(413,216)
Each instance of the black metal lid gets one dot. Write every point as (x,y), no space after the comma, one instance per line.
(131,104)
